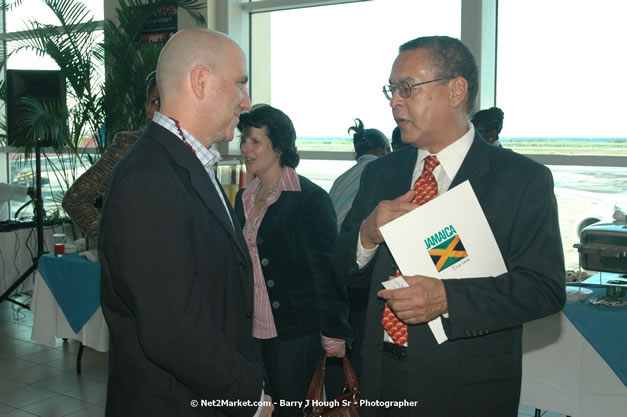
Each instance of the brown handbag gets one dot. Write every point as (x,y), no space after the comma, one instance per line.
(346,405)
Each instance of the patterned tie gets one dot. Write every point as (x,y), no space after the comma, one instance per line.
(426,189)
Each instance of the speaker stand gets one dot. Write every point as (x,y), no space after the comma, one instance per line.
(39,218)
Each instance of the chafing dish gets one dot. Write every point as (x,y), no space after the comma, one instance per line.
(603,247)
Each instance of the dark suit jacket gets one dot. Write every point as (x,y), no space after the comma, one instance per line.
(295,242)
(477,372)
(177,288)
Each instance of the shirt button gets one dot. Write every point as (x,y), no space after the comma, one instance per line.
(276,305)
(270,283)
(265,262)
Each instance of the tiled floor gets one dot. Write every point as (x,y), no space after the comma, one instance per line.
(36,380)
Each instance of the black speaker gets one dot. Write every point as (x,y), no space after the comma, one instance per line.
(41,85)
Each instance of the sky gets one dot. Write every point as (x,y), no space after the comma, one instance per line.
(328,68)
(561,65)
(560,62)
(17,18)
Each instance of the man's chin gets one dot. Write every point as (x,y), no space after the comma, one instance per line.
(226,138)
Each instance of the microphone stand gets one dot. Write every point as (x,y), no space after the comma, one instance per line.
(39,221)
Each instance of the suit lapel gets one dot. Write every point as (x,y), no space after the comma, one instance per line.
(475,166)
(396,181)
(399,172)
(200,180)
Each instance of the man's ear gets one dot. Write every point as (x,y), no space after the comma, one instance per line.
(200,79)
(458,91)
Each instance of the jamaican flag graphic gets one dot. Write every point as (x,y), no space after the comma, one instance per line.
(448,253)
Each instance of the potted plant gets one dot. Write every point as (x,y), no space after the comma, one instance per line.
(104,68)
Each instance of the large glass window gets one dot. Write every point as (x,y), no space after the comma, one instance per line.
(57,170)
(327,65)
(556,62)
(555,83)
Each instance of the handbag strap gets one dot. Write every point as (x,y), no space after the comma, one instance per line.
(316,388)
(350,380)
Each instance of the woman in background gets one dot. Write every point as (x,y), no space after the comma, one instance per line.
(80,200)
(369,144)
(289,226)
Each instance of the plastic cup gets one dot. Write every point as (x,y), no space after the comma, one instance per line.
(59,244)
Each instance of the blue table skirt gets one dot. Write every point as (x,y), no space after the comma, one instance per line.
(75,284)
(605,328)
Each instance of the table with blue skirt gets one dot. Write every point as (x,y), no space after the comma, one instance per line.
(66,302)
(575,362)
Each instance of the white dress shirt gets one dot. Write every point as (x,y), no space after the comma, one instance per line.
(451,159)
(208,157)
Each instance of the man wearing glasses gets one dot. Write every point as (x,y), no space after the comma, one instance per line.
(477,372)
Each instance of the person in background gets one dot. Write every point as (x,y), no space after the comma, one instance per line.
(289,227)
(82,198)
(397,141)
(369,144)
(477,371)
(489,123)
(177,281)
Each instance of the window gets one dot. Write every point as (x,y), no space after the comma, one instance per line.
(328,64)
(335,68)
(58,171)
(554,80)
(555,84)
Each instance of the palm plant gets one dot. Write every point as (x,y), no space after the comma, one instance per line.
(129,60)
(104,70)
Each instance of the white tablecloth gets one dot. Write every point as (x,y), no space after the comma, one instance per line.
(563,373)
(50,322)
(17,248)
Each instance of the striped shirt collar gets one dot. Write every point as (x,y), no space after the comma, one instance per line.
(208,156)
(288,182)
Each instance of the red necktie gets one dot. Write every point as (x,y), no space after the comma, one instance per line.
(426,189)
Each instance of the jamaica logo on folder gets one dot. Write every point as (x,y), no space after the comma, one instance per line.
(445,248)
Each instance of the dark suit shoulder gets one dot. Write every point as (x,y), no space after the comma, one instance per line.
(506,160)
(155,144)
(306,185)
(396,158)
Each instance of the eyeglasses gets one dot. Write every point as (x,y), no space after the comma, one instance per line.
(150,77)
(404,88)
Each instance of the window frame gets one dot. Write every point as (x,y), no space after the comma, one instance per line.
(479,31)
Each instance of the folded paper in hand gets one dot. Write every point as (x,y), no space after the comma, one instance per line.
(448,237)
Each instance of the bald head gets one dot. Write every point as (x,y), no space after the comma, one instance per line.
(186,50)
(202,76)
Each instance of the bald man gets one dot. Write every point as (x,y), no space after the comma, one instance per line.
(177,283)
